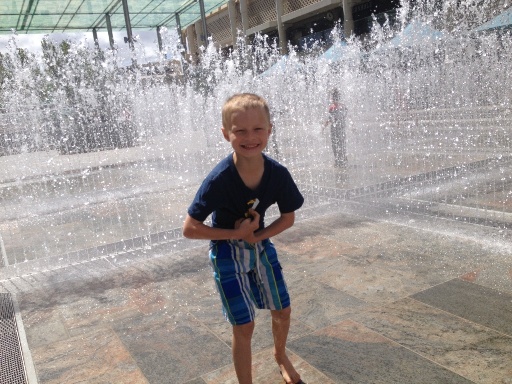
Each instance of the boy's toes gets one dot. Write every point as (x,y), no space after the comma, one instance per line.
(291,381)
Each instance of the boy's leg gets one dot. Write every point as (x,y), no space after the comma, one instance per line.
(242,335)
(280,328)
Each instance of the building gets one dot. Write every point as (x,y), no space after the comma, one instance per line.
(299,22)
(288,21)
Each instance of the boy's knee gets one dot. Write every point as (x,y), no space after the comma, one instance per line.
(243,330)
(282,314)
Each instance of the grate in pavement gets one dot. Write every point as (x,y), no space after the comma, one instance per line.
(12,368)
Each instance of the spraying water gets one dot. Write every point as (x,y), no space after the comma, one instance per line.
(98,159)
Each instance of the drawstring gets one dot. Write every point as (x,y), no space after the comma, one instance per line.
(257,257)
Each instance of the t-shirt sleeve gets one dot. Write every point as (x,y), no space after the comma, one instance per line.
(289,197)
(201,207)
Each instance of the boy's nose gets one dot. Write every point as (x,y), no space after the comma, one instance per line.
(251,134)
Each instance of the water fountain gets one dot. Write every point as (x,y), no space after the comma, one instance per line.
(97,165)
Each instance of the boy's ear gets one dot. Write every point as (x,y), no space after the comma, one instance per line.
(225,133)
(270,128)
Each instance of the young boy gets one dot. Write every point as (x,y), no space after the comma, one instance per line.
(237,192)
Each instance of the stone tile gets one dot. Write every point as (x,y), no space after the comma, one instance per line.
(96,357)
(473,302)
(266,371)
(184,294)
(333,306)
(172,349)
(97,309)
(471,350)
(387,242)
(370,262)
(154,315)
(196,381)
(262,337)
(495,275)
(127,276)
(348,352)
(373,282)
(44,326)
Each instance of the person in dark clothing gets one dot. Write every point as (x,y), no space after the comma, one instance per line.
(337,120)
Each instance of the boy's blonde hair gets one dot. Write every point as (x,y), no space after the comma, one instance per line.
(242,102)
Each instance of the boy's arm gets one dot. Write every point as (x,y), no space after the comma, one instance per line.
(284,222)
(195,229)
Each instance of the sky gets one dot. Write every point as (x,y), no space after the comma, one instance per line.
(146,44)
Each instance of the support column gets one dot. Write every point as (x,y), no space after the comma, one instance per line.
(283,43)
(204,36)
(109,30)
(95,37)
(129,38)
(199,34)
(348,20)
(232,20)
(180,33)
(245,16)
(159,39)
(192,42)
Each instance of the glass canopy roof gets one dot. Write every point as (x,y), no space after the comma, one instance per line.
(53,16)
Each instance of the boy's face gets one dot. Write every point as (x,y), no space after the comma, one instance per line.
(249,131)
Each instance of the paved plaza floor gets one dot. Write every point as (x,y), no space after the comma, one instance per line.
(373,300)
(377,297)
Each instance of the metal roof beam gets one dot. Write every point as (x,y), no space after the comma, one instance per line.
(126,13)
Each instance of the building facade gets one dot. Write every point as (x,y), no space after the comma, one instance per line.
(299,22)
(289,21)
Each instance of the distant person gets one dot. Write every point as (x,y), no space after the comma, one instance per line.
(237,192)
(337,121)
(277,120)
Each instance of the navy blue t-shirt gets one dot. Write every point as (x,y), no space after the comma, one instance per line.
(224,195)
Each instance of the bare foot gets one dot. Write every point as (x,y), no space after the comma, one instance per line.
(290,375)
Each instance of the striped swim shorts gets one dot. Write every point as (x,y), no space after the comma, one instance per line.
(247,276)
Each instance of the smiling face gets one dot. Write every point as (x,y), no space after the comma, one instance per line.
(248,132)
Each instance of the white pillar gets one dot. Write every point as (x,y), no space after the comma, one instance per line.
(232,20)
(95,37)
(348,22)
(283,43)
(192,42)
(4,254)
(245,16)
(199,34)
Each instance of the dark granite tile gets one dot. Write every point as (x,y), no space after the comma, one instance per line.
(471,350)
(172,349)
(350,353)
(481,305)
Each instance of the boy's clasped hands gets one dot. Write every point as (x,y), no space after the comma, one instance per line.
(248,225)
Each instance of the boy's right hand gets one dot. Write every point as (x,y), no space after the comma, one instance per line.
(247,226)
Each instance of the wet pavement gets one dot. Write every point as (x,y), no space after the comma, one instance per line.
(376,298)
(391,281)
